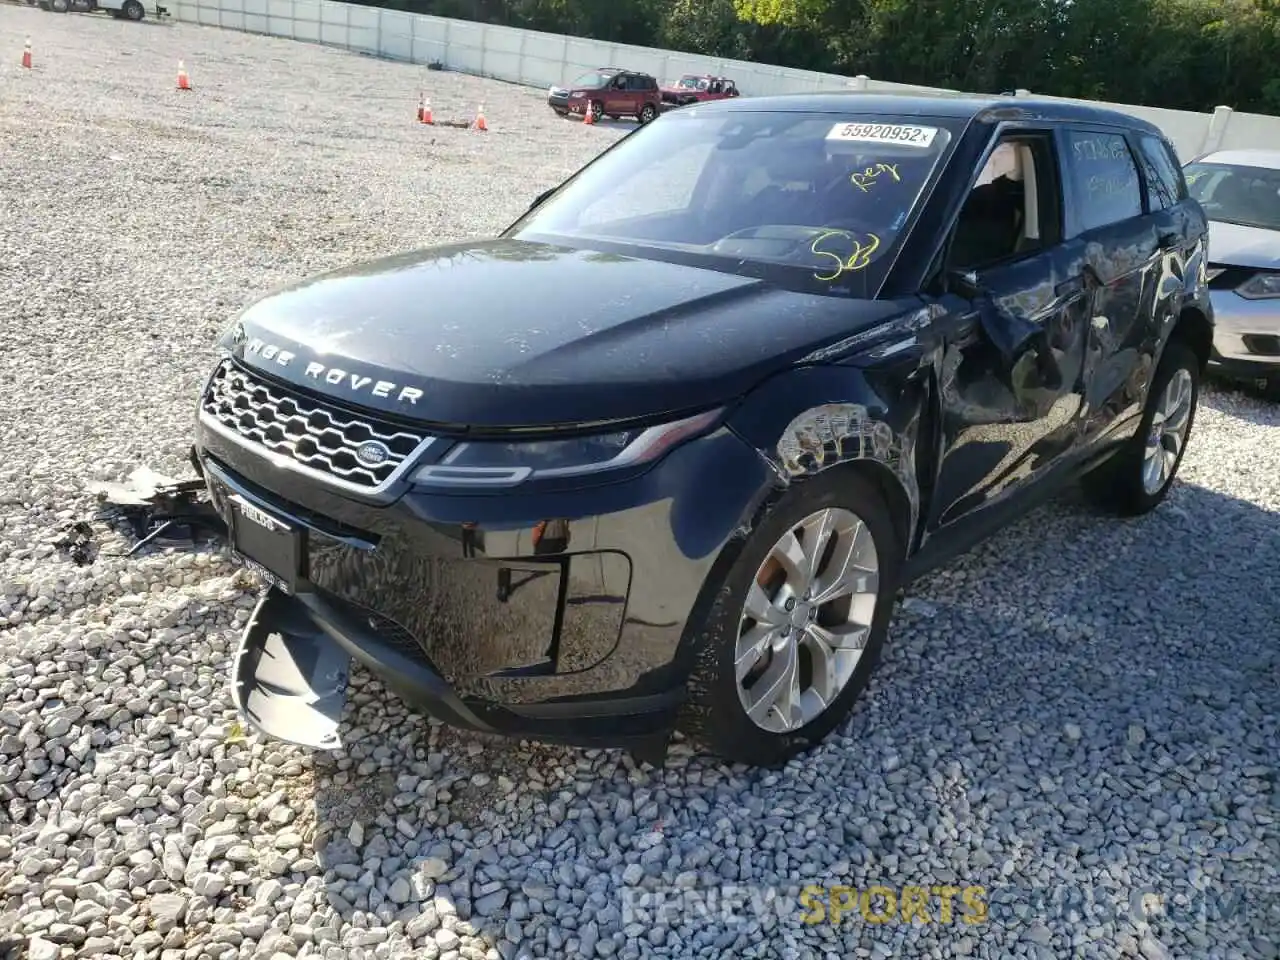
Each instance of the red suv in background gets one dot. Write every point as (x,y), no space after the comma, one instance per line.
(692,88)
(609,92)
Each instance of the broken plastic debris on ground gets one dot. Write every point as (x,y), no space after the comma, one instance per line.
(152,508)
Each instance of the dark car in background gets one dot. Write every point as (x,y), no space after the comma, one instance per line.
(692,88)
(1240,193)
(663,452)
(608,92)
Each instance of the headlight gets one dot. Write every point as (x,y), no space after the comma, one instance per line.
(1261,286)
(578,93)
(491,463)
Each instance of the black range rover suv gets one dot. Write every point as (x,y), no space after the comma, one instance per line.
(831,340)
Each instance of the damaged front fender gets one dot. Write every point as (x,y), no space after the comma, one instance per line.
(800,430)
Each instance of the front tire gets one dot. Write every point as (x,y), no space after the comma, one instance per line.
(133,10)
(1137,478)
(797,624)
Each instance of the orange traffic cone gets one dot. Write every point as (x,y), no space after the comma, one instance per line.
(26,54)
(588,116)
(184,82)
(480,124)
(424,114)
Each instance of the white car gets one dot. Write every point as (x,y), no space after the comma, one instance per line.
(1240,193)
(120,9)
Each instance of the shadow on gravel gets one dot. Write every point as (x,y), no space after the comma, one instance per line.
(1126,711)
(427,846)
(1070,722)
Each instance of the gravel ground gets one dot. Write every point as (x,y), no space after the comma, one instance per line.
(1080,717)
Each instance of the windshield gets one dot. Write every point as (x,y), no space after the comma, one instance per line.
(693,83)
(592,80)
(1236,194)
(815,202)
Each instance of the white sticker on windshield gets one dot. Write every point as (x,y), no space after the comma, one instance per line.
(905,135)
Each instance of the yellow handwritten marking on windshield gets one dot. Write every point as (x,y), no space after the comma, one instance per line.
(1193,177)
(857,260)
(863,179)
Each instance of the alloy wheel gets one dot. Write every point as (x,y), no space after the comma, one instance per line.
(806,620)
(1168,431)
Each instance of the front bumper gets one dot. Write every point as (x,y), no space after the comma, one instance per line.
(563,104)
(1246,339)
(467,609)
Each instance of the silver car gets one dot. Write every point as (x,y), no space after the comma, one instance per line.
(1240,193)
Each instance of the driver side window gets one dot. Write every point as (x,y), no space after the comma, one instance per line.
(1013,209)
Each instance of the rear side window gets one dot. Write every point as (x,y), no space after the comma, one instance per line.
(1165,184)
(1104,176)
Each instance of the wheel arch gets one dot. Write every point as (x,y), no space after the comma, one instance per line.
(801,433)
(891,487)
(1194,329)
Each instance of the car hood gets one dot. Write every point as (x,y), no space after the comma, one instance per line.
(1240,246)
(513,333)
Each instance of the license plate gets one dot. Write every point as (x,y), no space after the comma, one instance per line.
(266,544)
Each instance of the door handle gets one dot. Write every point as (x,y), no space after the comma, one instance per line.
(1068,287)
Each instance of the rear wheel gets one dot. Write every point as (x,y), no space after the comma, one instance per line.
(59,6)
(648,112)
(1139,476)
(133,10)
(798,622)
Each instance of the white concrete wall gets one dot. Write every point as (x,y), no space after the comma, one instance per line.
(541,59)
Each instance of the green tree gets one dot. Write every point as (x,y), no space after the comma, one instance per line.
(1188,54)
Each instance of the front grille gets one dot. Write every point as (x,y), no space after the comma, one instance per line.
(324,440)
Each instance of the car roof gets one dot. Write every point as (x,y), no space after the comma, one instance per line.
(1269,159)
(956,106)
